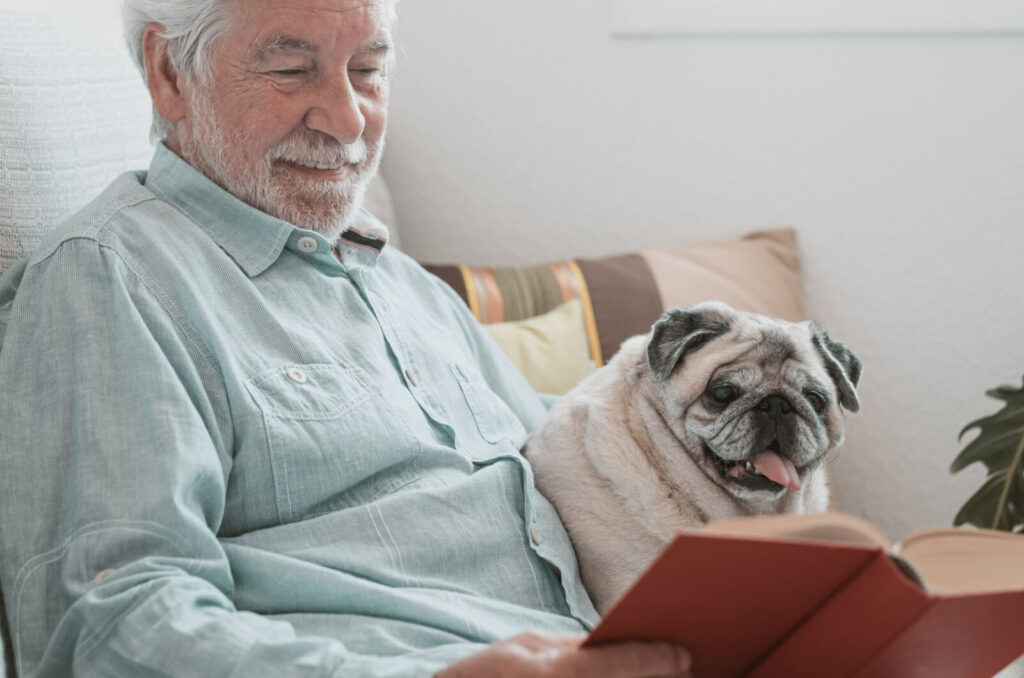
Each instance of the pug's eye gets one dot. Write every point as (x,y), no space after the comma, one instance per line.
(817,401)
(724,394)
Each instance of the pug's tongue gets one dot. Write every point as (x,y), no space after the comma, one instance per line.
(775,468)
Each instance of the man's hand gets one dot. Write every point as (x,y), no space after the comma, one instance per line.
(535,656)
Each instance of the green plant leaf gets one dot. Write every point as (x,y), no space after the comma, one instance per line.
(994,449)
(1010,414)
(980,508)
(999,503)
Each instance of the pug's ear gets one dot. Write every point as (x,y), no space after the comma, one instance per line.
(682,330)
(842,365)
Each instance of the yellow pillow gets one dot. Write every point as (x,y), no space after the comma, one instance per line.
(549,349)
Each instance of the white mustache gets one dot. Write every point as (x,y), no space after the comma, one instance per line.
(321,153)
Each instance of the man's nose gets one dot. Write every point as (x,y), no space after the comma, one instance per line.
(336,111)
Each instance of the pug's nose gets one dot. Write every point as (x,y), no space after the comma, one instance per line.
(774,405)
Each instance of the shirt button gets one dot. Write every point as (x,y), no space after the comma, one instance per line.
(297,375)
(411,376)
(308,244)
(535,535)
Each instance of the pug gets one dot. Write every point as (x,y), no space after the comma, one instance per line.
(714,414)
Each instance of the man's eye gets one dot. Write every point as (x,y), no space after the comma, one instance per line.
(368,71)
(289,72)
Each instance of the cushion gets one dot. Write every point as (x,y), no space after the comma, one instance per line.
(624,295)
(73,115)
(549,349)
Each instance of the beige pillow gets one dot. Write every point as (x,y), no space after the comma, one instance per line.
(549,349)
(759,272)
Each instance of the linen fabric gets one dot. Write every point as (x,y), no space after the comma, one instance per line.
(227,452)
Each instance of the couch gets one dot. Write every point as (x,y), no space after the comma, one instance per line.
(74,114)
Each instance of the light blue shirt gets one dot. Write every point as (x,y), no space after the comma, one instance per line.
(224,452)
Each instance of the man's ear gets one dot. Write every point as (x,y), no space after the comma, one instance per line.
(163,79)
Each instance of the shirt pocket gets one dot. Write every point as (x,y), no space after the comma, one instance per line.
(331,440)
(310,392)
(495,421)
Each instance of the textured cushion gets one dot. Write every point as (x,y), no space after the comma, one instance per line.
(73,115)
(549,349)
(623,295)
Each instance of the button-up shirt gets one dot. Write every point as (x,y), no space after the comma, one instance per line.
(231,447)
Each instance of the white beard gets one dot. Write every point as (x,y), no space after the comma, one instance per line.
(327,207)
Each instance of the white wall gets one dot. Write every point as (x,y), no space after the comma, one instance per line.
(522,132)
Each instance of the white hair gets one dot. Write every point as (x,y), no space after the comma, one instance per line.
(192,27)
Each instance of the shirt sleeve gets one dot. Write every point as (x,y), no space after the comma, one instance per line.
(112,487)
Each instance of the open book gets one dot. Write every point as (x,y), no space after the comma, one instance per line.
(827,595)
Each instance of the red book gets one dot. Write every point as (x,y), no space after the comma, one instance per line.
(827,596)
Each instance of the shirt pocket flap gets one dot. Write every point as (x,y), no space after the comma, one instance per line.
(495,420)
(309,391)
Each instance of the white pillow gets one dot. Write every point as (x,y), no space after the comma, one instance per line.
(73,115)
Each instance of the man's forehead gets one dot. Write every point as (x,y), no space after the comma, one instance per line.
(336,6)
(294,24)
(383,10)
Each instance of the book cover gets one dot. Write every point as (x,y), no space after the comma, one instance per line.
(767,607)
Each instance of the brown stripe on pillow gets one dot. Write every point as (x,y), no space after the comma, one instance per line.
(451,275)
(624,296)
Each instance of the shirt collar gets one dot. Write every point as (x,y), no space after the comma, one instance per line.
(252,238)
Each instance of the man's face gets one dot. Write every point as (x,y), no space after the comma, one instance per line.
(293,117)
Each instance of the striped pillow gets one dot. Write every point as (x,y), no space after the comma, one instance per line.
(624,295)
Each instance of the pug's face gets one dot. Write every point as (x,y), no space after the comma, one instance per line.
(757,402)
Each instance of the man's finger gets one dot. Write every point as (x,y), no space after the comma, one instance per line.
(554,641)
(636,660)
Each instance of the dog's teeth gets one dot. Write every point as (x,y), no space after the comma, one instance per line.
(750,468)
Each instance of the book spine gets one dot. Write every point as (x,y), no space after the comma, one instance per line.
(850,627)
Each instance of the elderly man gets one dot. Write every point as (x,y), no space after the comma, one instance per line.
(242,436)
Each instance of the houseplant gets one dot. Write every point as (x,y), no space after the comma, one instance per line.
(999,503)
